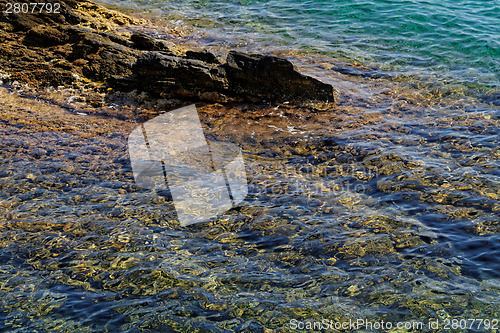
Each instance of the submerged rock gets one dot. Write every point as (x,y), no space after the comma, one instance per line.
(492,98)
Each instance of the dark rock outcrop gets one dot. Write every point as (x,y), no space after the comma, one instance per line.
(102,54)
(245,77)
(53,49)
(170,75)
(268,77)
(205,56)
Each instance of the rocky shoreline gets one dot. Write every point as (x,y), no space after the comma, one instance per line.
(81,44)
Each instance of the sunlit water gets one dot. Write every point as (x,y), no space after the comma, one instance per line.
(385,207)
(452,40)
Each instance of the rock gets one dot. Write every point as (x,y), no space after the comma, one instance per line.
(43,49)
(42,35)
(105,57)
(273,78)
(147,43)
(115,38)
(120,83)
(170,75)
(243,78)
(492,98)
(205,56)
(40,74)
(25,22)
(144,42)
(57,49)
(100,18)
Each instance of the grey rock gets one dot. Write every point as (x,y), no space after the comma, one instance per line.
(105,57)
(205,56)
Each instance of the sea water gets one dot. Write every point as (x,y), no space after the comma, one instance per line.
(455,40)
(384,207)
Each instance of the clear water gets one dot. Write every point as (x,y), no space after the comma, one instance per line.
(385,207)
(456,40)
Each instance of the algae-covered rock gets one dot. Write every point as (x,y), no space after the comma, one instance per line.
(48,49)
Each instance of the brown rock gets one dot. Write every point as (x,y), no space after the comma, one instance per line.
(54,48)
(43,35)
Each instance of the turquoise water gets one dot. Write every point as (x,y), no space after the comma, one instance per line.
(454,39)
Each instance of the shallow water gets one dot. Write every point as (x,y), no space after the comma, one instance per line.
(384,207)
